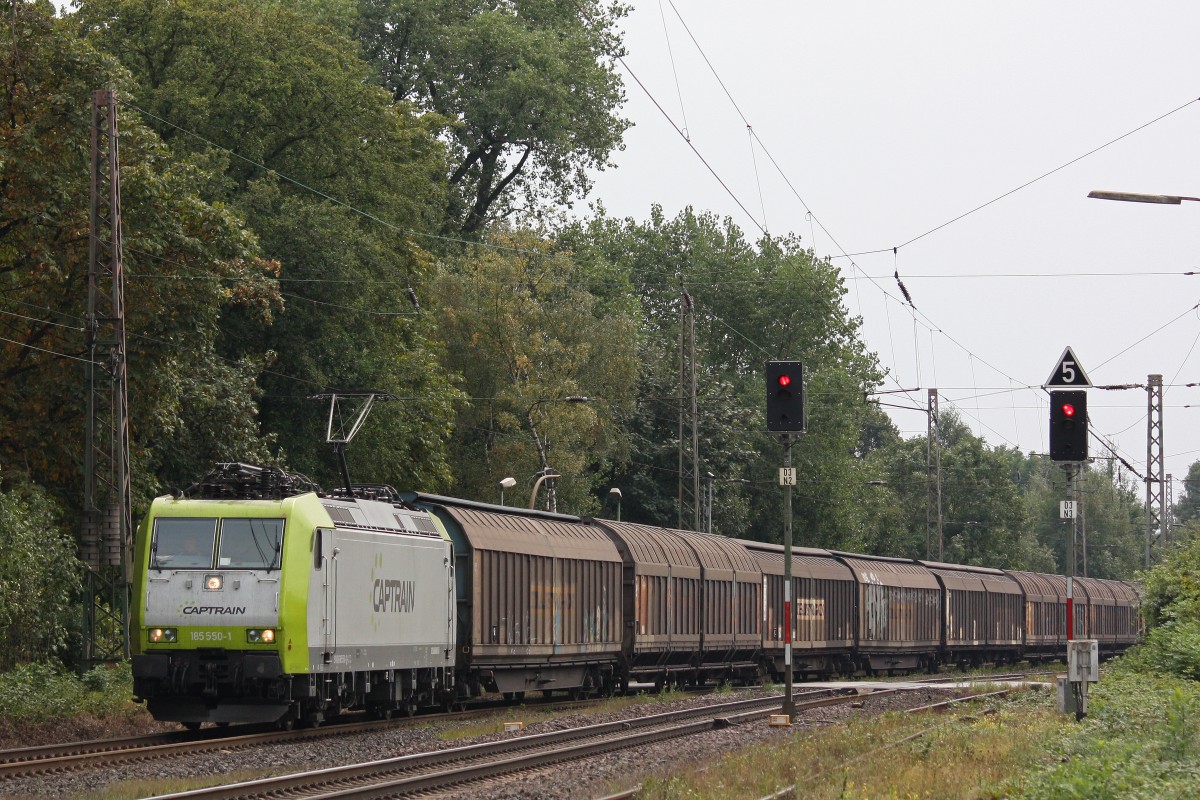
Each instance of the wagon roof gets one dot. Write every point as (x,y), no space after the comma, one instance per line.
(649,545)
(889,571)
(1117,592)
(1040,586)
(553,535)
(972,578)
(807,562)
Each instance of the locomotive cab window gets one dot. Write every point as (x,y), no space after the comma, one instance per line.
(250,544)
(183,543)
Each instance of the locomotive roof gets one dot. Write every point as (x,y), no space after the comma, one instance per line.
(458,502)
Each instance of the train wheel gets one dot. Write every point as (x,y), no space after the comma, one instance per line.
(286,724)
(408,708)
(192,726)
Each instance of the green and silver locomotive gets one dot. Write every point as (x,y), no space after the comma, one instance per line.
(259,600)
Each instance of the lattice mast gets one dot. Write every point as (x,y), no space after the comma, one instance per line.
(1154,461)
(107,529)
(689,426)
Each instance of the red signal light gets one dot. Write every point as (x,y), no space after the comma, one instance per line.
(785,380)
(1068,410)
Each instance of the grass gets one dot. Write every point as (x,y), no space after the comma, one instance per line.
(1141,741)
(45,692)
(926,756)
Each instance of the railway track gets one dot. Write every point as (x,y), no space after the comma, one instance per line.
(427,772)
(101,753)
(98,753)
(82,756)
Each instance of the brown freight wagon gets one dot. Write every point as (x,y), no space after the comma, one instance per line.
(1112,616)
(982,614)
(898,613)
(538,599)
(1045,614)
(823,590)
(691,604)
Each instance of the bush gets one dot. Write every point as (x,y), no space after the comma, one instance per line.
(44,691)
(1172,588)
(1139,742)
(39,579)
(1170,649)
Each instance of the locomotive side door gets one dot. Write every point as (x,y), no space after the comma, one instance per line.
(325,551)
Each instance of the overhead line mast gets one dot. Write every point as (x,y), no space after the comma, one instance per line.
(107,527)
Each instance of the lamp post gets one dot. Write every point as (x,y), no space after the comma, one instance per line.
(1155,484)
(615,492)
(1133,197)
(506,483)
(547,474)
(711,482)
(708,497)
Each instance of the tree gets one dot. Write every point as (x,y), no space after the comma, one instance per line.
(530,339)
(340,185)
(1112,516)
(527,88)
(984,520)
(186,261)
(1187,509)
(754,302)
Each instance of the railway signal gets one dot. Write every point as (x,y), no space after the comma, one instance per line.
(1068,426)
(785,397)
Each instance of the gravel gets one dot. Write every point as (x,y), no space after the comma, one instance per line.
(593,777)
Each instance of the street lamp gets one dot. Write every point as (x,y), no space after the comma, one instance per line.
(1155,485)
(506,483)
(616,493)
(547,474)
(1132,197)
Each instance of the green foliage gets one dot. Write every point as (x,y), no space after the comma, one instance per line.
(1170,649)
(528,90)
(39,578)
(42,691)
(753,302)
(1172,587)
(338,183)
(1113,516)
(1187,509)
(1138,741)
(1171,605)
(186,260)
(526,332)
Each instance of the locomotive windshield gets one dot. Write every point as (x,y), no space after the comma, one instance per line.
(190,543)
(183,544)
(250,543)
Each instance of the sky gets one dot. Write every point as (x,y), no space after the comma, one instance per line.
(967,136)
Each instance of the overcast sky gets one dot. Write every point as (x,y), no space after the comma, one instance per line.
(890,120)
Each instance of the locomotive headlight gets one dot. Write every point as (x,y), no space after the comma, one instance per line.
(212,583)
(160,635)
(260,635)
